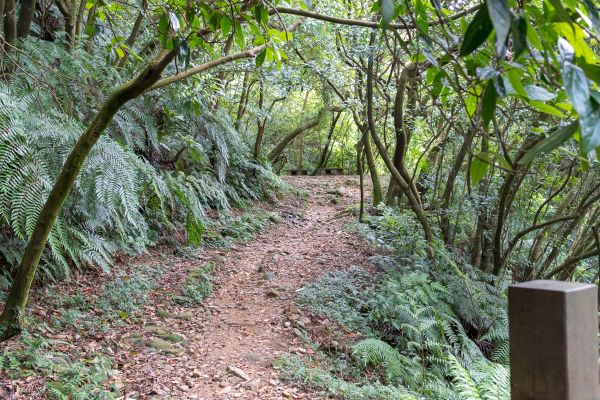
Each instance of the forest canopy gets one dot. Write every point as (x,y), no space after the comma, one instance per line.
(126,123)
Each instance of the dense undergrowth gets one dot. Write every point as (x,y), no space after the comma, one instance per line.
(165,160)
(418,329)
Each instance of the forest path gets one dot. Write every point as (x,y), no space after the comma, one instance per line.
(245,324)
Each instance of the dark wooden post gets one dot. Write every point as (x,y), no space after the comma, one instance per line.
(553,329)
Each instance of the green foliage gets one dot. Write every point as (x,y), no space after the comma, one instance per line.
(241,229)
(84,379)
(341,296)
(124,199)
(118,299)
(433,329)
(293,367)
(197,286)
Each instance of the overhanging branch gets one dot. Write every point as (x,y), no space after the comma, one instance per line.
(363,23)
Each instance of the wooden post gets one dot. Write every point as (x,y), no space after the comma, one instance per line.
(553,329)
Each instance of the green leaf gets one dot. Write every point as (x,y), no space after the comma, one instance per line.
(551,142)
(538,93)
(590,132)
(437,86)
(545,108)
(593,14)
(519,36)
(387,12)
(592,71)
(514,78)
(174,22)
(477,32)
(499,13)
(194,229)
(261,14)
(561,13)
(479,167)
(225,25)
(488,102)
(577,87)
(238,35)
(260,58)
(120,52)
(306,5)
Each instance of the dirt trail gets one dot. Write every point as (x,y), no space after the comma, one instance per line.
(224,348)
(244,323)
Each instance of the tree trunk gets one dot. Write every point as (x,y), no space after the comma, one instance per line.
(10,23)
(246,86)
(2,4)
(324,153)
(414,203)
(406,81)
(359,170)
(25,18)
(448,189)
(261,121)
(80,15)
(133,35)
(375,181)
(12,318)
(300,142)
(293,134)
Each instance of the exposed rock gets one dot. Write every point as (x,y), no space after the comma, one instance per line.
(238,372)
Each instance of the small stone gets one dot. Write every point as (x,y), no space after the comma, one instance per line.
(238,372)
(253,385)
(297,332)
(271,294)
(293,309)
(287,324)
(226,389)
(185,388)
(270,276)
(196,373)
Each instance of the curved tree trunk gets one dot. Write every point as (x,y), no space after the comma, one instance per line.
(406,82)
(414,203)
(11,320)
(293,134)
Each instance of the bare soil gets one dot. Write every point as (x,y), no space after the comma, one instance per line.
(224,348)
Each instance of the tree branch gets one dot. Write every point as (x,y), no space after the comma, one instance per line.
(363,23)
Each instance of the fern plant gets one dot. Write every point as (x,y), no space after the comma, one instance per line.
(132,186)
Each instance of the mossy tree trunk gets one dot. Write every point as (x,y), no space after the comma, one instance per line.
(12,318)
(375,181)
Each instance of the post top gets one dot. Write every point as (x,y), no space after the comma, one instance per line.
(553,286)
